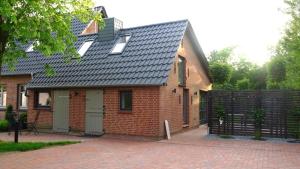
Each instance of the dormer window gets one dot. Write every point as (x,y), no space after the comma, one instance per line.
(84,47)
(120,44)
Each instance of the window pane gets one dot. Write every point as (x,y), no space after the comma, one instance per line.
(22,97)
(126,100)
(120,44)
(86,45)
(181,71)
(44,99)
(3,95)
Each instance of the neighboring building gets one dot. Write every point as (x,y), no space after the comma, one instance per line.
(129,80)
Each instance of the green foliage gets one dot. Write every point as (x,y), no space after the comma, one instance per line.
(220,112)
(243,84)
(277,70)
(23,119)
(3,125)
(46,24)
(258,78)
(220,72)
(258,117)
(221,56)
(227,74)
(294,122)
(27,146)
(8,112)
(288,51)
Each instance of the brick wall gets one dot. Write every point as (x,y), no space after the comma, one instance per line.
(170,106)
(11,83)
(46,115)
(143,120)
(77,109)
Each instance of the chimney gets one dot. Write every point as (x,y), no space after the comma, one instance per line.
(92,27)
(112,26)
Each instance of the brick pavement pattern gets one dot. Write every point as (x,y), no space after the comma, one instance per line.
(188,150)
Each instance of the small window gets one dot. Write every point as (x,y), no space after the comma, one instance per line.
(181,71)
(22,97)
(85,46)
(30,48)
(120,44)
(126,100)
(42,99)
(3,95)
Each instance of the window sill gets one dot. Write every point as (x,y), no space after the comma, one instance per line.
(125,111)
(42,108)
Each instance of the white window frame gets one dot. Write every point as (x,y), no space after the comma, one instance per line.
(85,47)
(2,94)
(21,96)
(119,45)
(30,47)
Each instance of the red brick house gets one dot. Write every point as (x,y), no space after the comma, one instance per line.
(129,80)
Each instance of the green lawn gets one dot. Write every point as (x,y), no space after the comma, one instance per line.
(27,146)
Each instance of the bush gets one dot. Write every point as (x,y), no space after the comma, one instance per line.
(258,116)
(23,120)
(3,125)
(243,84)
(9,112)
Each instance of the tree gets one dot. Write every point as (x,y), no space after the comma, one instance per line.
(288,48)
(47,24)
(276,72)
(221,56)
(258,78)
(243,84)
(221,73)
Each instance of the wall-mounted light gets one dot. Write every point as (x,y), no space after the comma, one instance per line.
(195,93)
(174,91)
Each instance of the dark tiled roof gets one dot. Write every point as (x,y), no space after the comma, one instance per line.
(146,60)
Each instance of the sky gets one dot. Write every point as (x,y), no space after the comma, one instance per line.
(253,27)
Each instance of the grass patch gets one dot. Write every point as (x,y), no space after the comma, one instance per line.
(27,146)
(226,136)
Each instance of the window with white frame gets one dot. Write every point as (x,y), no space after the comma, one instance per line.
(3,95)
(84,47)
(31,46)
(22,97)
(120,44)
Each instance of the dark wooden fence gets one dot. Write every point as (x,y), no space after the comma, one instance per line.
(279,107)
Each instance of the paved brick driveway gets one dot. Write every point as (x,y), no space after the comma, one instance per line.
(188,150)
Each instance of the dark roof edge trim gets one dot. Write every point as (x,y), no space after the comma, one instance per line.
(200,52)
(94,86)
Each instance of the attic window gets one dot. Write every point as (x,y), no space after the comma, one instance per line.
(120,44)
(84,47)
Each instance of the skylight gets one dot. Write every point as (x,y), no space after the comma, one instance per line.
(120,44)
(86,45)
(30,48)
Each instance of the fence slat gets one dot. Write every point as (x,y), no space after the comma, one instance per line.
(239,105)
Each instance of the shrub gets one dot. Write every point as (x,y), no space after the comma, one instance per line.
(23,120)
(258,116)
(9,112)
(3,125)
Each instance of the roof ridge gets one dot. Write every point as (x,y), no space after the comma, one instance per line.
(161,23)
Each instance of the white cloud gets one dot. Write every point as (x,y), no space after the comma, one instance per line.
(251,25)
